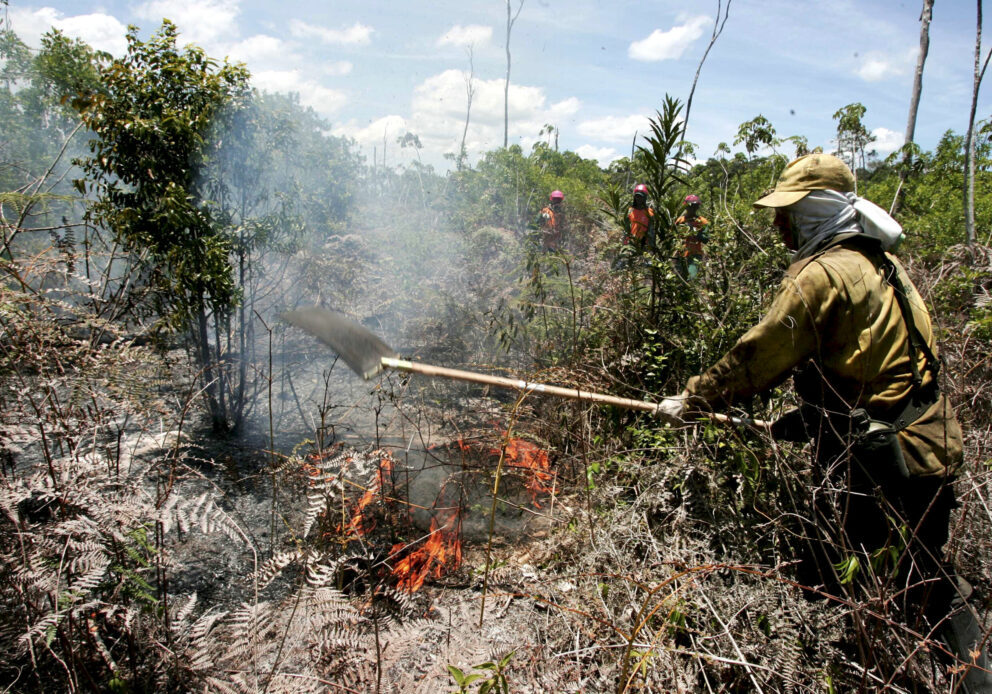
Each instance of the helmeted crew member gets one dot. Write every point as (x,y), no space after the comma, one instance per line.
(696,234)
(552,221)
(852,330)
(641,217)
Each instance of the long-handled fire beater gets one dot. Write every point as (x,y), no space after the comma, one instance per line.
(367,355)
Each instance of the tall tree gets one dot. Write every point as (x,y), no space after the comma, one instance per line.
(511,18)
(152,123)
(852,135)
(914,101)
(969,152)
(756,133)
(469,93)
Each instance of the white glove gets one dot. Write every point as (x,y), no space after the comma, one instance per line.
(670,409)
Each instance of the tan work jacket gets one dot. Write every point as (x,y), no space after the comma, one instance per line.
(837,309)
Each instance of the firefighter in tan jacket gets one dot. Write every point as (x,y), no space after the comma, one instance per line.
(851,329)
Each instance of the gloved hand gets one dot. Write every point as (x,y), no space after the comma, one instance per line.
(670,409)
(795,425)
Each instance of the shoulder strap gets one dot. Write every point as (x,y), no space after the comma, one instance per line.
(917,343)
(872,248)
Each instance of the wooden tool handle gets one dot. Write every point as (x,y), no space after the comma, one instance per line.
(530,387)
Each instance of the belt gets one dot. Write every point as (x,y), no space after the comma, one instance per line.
(912,407)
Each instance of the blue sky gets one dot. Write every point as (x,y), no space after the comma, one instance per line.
(594,68)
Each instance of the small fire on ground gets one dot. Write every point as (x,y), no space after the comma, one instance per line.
(384,507)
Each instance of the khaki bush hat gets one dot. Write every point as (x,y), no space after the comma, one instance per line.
(806,174)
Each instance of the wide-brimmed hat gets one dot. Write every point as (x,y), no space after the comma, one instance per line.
(806,174)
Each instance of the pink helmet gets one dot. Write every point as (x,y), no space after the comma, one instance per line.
(556,195)
(641,189)
(691,199)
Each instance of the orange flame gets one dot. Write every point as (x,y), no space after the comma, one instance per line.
(524,455)
(360,525)
(441,551)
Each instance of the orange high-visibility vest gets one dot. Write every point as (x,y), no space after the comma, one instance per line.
(693,243)
(551,232)
(550,220)
(640,222)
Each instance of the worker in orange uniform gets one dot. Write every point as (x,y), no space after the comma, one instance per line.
(552,221)
(641,218)
(696,234)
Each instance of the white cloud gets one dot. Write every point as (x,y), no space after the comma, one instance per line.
(323,100)
(438,111)
(101,31)
(566,107)
(202,22)
(879,66)
(337,68)
(356,34)
(614,128)
(875,70)
(471,35)
(437,117)
(668,45)
(887,141)
(371,135)
(258,49)
(604,155)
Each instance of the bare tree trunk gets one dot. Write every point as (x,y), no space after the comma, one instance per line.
(969,151)
(630,162)
(721,20)
(469,93)
(914,102)
(506,84)
(207,366)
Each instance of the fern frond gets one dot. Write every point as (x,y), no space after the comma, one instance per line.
(85,562)
(45,625)
(317,500)
(201,512)
(320,574)
(272,567)
(183,613)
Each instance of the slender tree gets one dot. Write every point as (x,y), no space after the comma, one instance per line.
(914,101)
(469,93)
(852,135)
(969,151)
(511,18)
(756,133)
(722,13)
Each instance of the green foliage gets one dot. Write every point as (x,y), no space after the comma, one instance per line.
(507,189)
(491,683)
(151,121)
(133,558)
(932,210)
(661,167)
(37,127)
(756,133)
(848,569)
(852,135)
(614,201)
(70,69)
